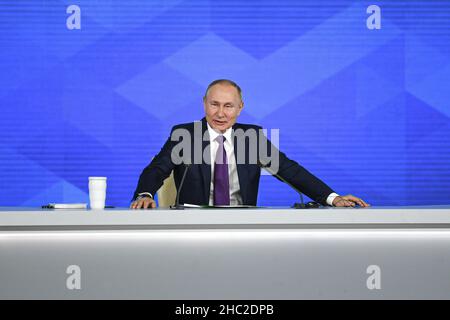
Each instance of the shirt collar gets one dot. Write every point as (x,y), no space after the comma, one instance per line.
(213,134)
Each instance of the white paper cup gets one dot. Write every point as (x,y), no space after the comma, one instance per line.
(97,192)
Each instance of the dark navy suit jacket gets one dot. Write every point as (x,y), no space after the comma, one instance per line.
(196,187)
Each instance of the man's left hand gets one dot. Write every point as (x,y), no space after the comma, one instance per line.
(349,201)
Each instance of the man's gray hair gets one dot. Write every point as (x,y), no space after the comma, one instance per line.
(224,81)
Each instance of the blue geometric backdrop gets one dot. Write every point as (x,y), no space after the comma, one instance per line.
(368,111)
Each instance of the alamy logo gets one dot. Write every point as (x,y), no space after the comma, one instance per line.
(374,280)
(374,20)
(251,147)
(74,20)
(73,281)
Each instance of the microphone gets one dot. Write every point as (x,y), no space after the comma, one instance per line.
(296,205)
(177,202)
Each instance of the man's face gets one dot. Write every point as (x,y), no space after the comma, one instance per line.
(222,106)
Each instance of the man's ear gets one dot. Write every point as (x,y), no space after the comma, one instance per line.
(241,107)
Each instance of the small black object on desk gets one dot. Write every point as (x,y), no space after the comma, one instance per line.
(309,205)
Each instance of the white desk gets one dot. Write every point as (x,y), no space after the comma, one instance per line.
(271,253)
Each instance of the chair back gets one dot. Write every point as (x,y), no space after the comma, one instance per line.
(167,193)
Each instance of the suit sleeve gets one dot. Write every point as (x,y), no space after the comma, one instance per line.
(153,176)
(298,176)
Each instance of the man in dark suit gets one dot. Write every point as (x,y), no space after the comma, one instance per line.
(222,159)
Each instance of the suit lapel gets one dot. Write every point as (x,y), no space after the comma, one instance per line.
(242,169)
(205,167)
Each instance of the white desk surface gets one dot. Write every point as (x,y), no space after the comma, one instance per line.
(374,216)
(268,253)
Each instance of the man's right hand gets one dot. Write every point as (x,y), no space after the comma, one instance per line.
(143,203)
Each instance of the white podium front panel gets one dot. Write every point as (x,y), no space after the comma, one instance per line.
(376,253)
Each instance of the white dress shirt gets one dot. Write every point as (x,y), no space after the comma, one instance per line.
(235,194)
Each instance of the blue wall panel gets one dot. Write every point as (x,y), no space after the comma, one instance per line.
(366,110)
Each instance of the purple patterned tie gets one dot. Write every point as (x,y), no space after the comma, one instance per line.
(221,183)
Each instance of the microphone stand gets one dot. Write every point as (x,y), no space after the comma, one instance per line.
(177,205)
(296,205)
